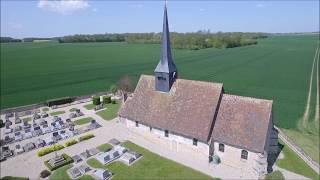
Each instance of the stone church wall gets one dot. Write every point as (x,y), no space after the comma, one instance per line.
(180,143)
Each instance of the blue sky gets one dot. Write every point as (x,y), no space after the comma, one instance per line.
(44,18)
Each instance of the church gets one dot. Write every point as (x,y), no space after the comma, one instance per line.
(230,129)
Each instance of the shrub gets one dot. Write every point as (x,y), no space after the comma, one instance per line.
(96,100)
(85,137)
(113,102)
(67,160)
(113,89)
(14,178)
(59,101)
(106,99)
(50,149)
(71,142)
(45,173)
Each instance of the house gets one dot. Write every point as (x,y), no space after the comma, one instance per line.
(200,116)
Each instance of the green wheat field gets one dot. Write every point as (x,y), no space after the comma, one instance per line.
(278,68)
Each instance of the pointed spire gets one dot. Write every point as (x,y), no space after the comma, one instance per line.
(166,63)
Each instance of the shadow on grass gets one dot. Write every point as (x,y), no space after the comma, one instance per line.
(272,158)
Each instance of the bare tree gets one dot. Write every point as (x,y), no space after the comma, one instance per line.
(124,86)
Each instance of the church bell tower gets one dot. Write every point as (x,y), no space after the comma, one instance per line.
(166,71)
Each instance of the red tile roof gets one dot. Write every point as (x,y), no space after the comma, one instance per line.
(243,122)
(188,109)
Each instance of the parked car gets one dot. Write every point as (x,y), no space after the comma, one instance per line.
(18,136)
(19,149)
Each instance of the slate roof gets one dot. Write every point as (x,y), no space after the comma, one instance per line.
(243,122)
(188,109)
(166,63)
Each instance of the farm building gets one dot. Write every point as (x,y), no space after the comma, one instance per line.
(238,131)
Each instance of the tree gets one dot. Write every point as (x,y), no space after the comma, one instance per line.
(96,100)
(124,85)
(106,99)
(113,89)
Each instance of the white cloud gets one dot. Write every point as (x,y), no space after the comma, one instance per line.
(63,6)
(260,6)
(14,25)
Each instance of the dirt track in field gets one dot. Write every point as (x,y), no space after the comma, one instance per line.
(307,108)
(316,117)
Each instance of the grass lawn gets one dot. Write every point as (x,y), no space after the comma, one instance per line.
(294,163)
(27,119)
(89,106)
(111,111)
(150,166)
(104,147)
(276,175)
(83,121)
(57,113)
(72,109)
(86,177)
(60,173)
(45,109)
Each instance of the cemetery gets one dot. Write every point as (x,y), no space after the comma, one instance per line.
(28,131)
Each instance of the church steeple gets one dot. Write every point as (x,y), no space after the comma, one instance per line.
(166,71)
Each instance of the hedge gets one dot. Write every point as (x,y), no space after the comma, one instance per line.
(59,101)
(14,178)
(96,100)
(106,99)
(50,149)
(85,137)
(71,142)
(67,160)
(113,102)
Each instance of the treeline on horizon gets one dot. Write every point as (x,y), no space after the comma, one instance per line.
(192,41)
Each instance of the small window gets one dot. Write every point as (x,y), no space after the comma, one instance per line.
(244,154)
(221,147)
(150,128)
(195,141)
(161,78)
(137,124)
(166,133)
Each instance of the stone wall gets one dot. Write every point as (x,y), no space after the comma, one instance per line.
(177,142)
